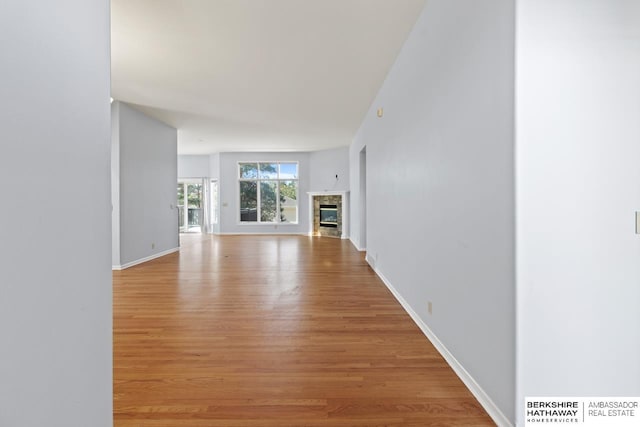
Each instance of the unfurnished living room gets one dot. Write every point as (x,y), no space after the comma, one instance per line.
(289,213)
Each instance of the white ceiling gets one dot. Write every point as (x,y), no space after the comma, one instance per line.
(256,75)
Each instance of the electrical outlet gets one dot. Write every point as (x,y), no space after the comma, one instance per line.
(429,307)
(153,246)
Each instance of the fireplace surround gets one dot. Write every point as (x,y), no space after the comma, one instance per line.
(329,214)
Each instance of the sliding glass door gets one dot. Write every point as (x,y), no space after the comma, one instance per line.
(190,195)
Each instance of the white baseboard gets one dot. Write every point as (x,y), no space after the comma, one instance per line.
(372,264)
(355,245)
(494,412)
(295,233)
(145,259)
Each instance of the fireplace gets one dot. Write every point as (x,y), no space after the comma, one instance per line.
(329,216)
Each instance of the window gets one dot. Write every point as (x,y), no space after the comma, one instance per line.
(268,192)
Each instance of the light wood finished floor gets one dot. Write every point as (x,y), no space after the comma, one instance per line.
(274,331)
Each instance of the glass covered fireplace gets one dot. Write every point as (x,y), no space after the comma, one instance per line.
(329,216)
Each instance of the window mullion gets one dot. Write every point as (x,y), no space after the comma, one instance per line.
(278,193)
(259,200)
(259,196)
(278,198)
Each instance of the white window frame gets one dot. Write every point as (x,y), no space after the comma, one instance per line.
(258,221)
(215,213)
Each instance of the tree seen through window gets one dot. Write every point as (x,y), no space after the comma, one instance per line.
(268,192)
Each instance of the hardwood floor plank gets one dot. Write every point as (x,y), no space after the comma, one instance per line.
(263,331)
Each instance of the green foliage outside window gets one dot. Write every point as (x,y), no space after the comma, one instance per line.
(276,198)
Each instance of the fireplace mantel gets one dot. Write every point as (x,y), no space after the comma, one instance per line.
(345,209)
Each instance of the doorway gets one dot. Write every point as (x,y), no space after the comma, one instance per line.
(190,197)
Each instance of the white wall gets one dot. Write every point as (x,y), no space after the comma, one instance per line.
(325,165)
(148,178)
(440,185)
(578,145)
(358,199)
(229,194)
(214,165)
(362,196)
(55,290)
(190,166)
